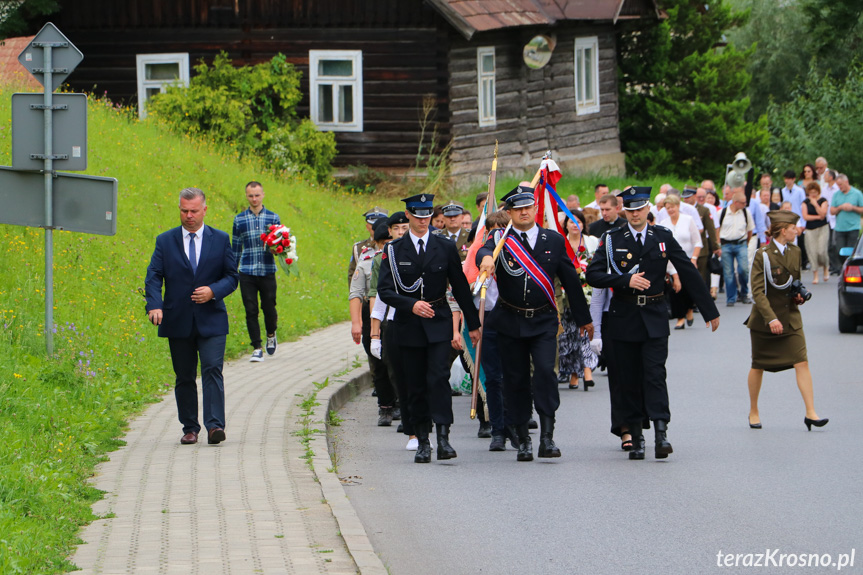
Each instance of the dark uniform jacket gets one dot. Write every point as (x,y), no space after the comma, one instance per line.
(440,265)
(709,239)
(769,302)
(600,226)
(460,240)
(628,321)
(521,291)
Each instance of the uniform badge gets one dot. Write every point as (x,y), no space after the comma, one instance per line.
(623,264)
(423,198)
(663,254)
(629,256)
(384,256)
(357,274)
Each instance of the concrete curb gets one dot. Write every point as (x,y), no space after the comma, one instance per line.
(331,398)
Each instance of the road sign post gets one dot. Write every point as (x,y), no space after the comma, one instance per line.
(84,203)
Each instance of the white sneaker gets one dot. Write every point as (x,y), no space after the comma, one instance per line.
(257,355)
(413,444)
(271,345)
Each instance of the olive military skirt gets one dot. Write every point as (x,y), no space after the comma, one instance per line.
(774,353)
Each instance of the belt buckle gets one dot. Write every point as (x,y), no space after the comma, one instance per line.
(528,313)
(641,300)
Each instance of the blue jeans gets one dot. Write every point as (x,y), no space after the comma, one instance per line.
(730,254)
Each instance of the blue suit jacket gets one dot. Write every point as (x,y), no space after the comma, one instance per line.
(169,265)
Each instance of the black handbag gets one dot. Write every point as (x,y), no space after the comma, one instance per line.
(714,264)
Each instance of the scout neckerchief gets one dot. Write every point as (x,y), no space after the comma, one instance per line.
(518,251)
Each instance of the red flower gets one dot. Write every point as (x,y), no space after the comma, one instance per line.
(263,237)
(279,249)
(581,249)
(286,242)
(289,261)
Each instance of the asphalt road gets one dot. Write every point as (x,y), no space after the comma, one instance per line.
(726,489)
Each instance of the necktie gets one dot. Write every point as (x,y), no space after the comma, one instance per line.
(524,240)
(421,251)
(638,239)
(193,255)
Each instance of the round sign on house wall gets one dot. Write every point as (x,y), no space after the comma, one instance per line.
(537,52)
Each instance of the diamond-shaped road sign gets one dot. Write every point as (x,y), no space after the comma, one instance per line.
(64,55)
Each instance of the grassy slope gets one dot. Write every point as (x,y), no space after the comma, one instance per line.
(58,416)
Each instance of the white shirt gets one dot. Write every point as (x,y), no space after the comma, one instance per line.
(685,232)
(416,240)
(686,209)
(827,193)
(736,224)
(379,308)
(532,234)
(199,243)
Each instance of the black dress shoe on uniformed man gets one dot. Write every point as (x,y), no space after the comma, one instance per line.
(510,432)
(662,448)
(423,454)
(498,443)
(525,448)
(547,448)
(444,449)
(484,431)
(637,451)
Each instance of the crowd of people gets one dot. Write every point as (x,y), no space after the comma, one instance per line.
(547,312)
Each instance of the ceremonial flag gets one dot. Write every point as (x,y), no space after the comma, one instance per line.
(470,268)
(548,201)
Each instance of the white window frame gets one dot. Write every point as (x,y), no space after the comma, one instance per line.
(143,84)
(356,81)
(590,103)
(485,82)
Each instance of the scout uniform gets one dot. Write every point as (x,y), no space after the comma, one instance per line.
(453,209)
(371,216)
(414,269)
(525,319)
(637,322)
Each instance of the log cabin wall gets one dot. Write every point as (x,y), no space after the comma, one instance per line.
(403,44)
(535,109)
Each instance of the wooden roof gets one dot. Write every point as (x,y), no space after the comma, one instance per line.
(11,70)
(471,16)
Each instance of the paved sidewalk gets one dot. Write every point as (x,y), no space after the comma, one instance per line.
(249,505)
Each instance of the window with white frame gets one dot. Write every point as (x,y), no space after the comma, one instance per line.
(156,72)
(336,89)
(485,67)
(586,75)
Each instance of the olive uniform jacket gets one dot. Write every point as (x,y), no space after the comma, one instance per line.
(460,240)
(769,302)
(356,250)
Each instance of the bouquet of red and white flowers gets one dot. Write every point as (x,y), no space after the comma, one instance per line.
(283,246)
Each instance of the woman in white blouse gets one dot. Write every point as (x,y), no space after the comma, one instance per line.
(687,235)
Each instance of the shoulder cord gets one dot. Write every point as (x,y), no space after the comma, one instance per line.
(417,285)
(609,255)
(768,277)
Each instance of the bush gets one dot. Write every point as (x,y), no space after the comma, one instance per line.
(253,109)
(823,118)
(363,180)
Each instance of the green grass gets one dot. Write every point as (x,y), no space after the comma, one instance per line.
(59,416)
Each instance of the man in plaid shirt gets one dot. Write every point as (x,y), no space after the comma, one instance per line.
(257,268)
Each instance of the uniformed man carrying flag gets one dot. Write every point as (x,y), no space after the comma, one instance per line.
(525,317)
(633,260)
(413,279)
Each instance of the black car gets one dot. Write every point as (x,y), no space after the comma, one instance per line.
(851,289)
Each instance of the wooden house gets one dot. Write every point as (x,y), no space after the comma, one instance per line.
(532,74)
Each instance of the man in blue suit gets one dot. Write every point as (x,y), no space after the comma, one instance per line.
(197,266)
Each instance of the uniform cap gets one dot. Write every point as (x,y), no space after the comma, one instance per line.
(782,217)
(635,197)
(420,205)
(520,197)
(397,218)
(382,231)
(688,192)
(452,208)
(375,214)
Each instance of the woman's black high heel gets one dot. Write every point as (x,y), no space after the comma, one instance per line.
(816,422)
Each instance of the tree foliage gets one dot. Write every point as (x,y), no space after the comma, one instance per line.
(682,100)
(16,15)
(824,118)
(252,108)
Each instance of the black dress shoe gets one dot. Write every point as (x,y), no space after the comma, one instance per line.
(400,428)
(444,449)
(662,448)
(588,383)
(525,447)
(547,448)
(532,424)
(510,432)
(216,435)
(753,425)
(637,451)
(397,413)
(498,443)
(689,322)
(484,431)
(816,422)
(681,326)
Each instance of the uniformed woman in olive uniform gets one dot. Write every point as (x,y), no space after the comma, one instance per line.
(775,325)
